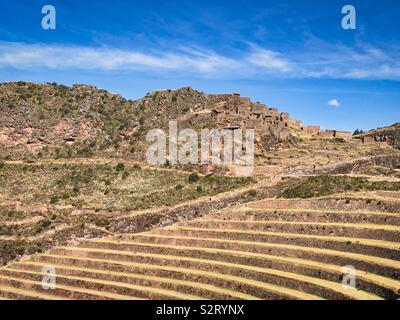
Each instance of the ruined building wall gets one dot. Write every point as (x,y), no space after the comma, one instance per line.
(313,130)
(231,110)
(343,134)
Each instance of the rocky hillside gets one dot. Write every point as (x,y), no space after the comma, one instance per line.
(55,120)
(51,120)
(36,116)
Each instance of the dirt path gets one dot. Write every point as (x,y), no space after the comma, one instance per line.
(32,220)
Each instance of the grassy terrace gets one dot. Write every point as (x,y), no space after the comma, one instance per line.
(105,187)
(37,200)
(327,185)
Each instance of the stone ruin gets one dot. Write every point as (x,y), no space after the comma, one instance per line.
(376,137)
(231,111)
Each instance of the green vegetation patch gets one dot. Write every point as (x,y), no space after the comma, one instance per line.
(107,187)
(11,249)
(327,185)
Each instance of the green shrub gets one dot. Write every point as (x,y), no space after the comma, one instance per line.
(45,223)
(210,178)
(125,174)
(136,167)
(194,177)
(119,167)
(107,182)
(178,187)
(53,200)
(101,222)
(199,189)
(42,225)
(252,193)
(1,165)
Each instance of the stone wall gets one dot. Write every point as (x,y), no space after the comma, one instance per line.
(313,130)
(390,136)
(336,134)
(325,134)
(295,123)
(343,134)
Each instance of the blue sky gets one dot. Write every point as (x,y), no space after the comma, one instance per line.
(293,55)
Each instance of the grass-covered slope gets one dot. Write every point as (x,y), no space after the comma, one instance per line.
(325,185)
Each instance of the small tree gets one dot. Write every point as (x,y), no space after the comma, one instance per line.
(178,187)
(357,131)
(194,177)
(53,200)
(125,175)
(119,167)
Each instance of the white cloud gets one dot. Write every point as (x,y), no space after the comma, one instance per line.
(23,56)
(320,59)
(313,59)
(334,103)
(269,60)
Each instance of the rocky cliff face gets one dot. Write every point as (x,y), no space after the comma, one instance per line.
(34,116)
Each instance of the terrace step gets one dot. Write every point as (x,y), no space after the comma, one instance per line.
(369,231)
(160,264)
(104,287)
(260,247)
(233,282)
(310,215)
(144,253)
(326,204)
(385,249)
(245,253)
(381,285)
(133,277)
(13,293)
(61,292)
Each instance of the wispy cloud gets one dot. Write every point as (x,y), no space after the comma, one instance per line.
(24,56)
(316,59)
(269,60)
(333,103)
